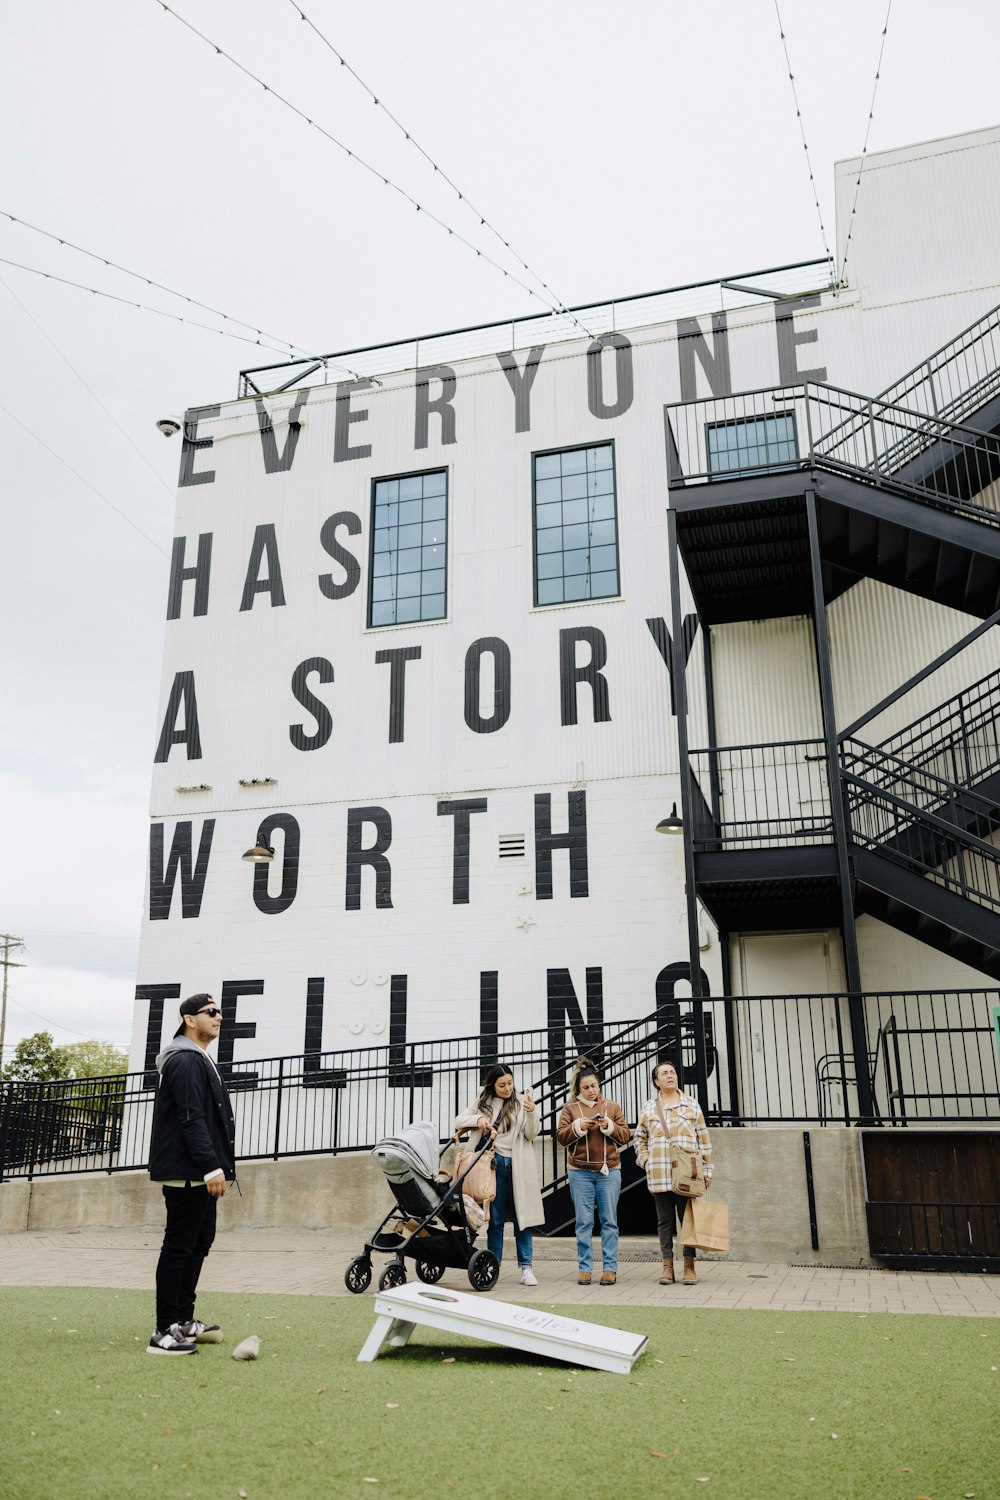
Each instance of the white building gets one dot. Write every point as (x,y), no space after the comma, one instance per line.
(420,639)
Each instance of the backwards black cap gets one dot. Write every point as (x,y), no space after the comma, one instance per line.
(190,1007)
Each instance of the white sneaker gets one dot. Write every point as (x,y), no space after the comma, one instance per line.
(528,1277)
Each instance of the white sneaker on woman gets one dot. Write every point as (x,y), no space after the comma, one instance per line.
(528,1277)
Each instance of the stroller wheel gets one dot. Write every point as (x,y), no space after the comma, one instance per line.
(393,1275)
(484,1270)
(429,1273)
(358,1276)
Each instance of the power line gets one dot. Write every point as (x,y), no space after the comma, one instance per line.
(802,132)
(864,149)
(353,156)
(87,1035)
(66,360)
(148,281)
(97,492)
(558,305)
(142,306)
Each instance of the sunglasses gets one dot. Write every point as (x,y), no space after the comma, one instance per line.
(210,1010)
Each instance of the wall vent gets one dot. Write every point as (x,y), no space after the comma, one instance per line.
(512,846)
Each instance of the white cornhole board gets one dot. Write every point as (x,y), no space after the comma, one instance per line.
(570,1339)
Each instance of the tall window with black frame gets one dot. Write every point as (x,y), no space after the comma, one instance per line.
(409,549)
(575,525)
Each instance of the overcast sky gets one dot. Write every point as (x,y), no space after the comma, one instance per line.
(617,149)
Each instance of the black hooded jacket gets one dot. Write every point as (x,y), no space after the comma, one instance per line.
(194,1131)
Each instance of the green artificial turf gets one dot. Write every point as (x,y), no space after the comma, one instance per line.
(730,1405)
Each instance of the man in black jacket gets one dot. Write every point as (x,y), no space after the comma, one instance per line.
(192,1154)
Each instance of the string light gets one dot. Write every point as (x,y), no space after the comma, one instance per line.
(802,132)
(354,156)
(141,306)
(148,281)
(864,149)
(557,305)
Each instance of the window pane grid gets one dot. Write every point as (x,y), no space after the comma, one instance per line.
(409,547)
(757,443)
(575,530)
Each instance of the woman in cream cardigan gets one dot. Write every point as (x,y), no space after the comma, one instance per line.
(512,1121)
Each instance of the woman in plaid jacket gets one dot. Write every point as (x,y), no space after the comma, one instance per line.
(670,1116)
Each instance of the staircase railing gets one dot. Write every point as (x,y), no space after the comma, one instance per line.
(815,425)
(959,739)
(924,789)
(924,842)
(957,379)
(772,794)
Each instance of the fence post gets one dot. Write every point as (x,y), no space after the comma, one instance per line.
(413,1078)
(6,1100)
(33,1153)
(277,1111)
(871,423)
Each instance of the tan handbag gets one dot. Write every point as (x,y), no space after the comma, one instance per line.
(706,1225)
(687,1177)
(481,1183)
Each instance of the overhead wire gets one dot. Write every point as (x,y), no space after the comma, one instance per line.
(864,149)
(558,305)
(87,1035)
(802,132)
(141,306)
(158,285)
(553,307)
(67,361)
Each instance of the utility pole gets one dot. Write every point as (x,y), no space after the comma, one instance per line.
(8,944)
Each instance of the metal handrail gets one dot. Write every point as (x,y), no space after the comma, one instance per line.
(904,770)
(386,357)
(861,445)
(923,374)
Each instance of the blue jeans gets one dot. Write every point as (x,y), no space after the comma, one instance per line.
(502,1209)
(590,1190)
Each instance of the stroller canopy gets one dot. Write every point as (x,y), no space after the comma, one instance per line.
(416,1144)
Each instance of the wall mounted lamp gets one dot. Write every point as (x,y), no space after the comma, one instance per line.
(673,824)
(260,854)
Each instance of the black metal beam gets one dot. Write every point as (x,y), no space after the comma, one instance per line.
(852,966)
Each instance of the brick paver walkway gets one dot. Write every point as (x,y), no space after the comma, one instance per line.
(312,1263)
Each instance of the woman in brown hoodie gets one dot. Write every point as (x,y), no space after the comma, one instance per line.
(592,1128)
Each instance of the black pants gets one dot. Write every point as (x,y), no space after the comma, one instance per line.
(669,1216)
(187,1240)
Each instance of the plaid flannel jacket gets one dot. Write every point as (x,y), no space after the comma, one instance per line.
(686,1124)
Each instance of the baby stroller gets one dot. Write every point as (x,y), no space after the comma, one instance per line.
(430,1223)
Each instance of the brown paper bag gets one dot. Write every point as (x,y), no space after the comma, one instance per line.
(706,1224)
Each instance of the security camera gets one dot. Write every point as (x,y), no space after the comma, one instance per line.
(169,425)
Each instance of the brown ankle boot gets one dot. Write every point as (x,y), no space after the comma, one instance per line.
(689,1278)
(667,1274)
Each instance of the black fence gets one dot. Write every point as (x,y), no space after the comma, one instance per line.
(752,1060)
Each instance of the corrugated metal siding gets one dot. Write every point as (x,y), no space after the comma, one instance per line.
(913,232)
(880,636)
(766,687)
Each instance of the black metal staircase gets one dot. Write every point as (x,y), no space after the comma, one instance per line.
(906,485)
(780,500)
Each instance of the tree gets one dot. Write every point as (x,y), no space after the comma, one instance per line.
(36,1060)
(91,1060)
